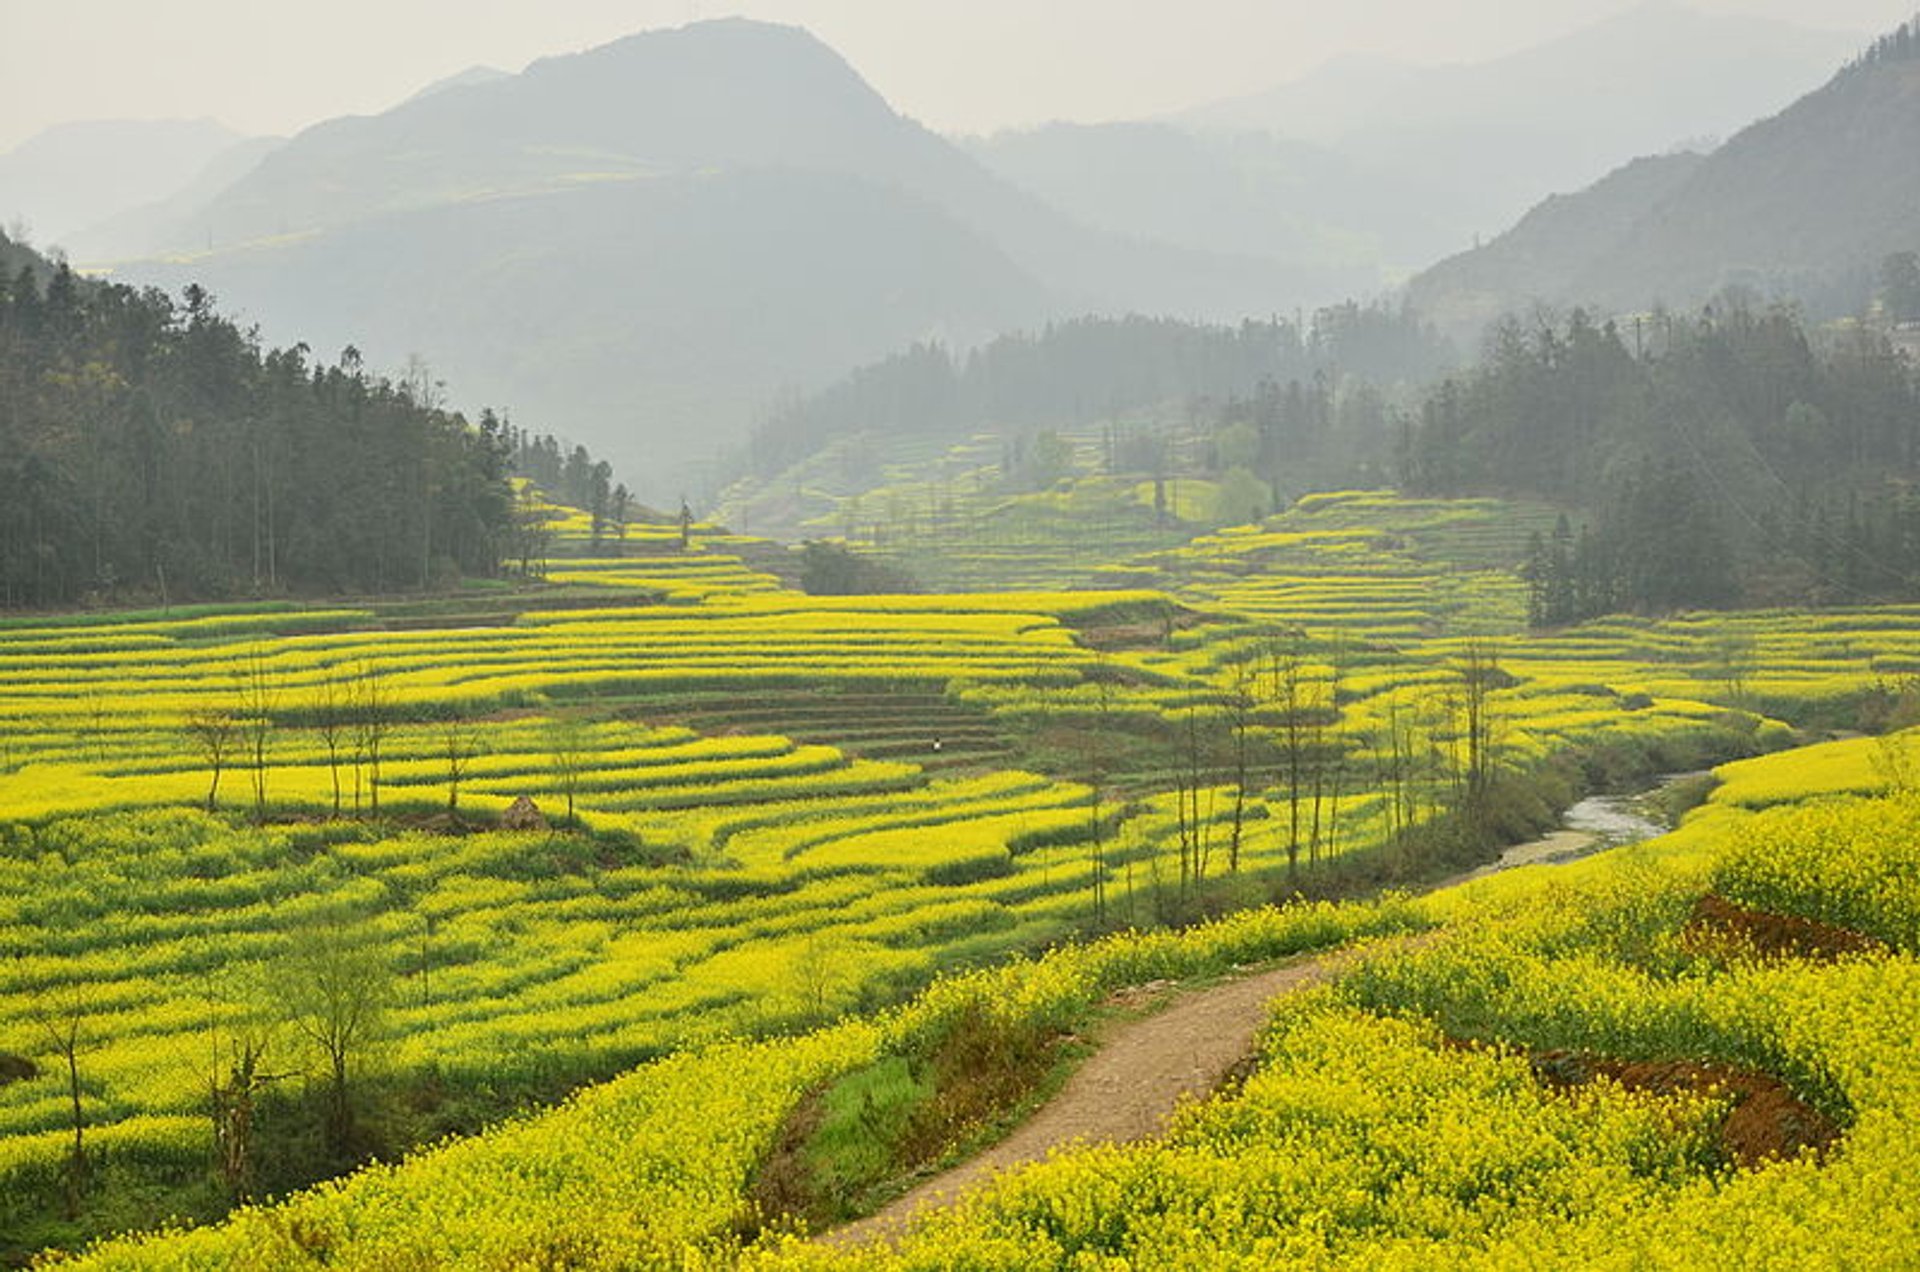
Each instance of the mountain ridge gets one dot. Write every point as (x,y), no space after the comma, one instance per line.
(72,175)
(639,123)
(1477,144)
(1803,204)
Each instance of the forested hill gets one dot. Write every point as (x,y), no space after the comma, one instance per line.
(1075,373)
(15,257)
(644,243)
(1722,458)
(1807,204)
(153,449)
(1560,239)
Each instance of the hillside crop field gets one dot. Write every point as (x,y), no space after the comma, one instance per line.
(765,812)
(1444,1103)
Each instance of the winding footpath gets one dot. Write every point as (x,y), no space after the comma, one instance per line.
(1128,1089)
(1125,1091)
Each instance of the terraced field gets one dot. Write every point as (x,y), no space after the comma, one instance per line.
(1443,1103)
(932,730)
(752,829)
(942,514)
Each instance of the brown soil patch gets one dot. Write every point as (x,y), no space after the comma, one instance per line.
(1151,633)
(450,824)
(1767,1121)
(15,1068)
(1717,925)
(1136,997)
(1126,636)
(783,1186)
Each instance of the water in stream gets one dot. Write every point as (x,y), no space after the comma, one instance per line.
(1595,823)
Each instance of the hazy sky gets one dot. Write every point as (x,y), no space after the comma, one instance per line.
(263,66)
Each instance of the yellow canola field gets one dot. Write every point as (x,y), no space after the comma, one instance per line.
(1370,1137)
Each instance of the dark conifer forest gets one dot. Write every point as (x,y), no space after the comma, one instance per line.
(152,448)
(1726,457)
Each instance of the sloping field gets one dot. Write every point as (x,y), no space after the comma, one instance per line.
(751,830)
(1418,1111)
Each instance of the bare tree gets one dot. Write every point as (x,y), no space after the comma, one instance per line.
(1731,657)
(1480,675)
(212,731)
(1240,706)
(259,694)
(330,720)
(567,750)
(369,709)
(62,1016)
(821,973)
(335,986)
(1330,770)
(1191,785)
(1094,764)
(459,744)
(1292,691)
(1393,752)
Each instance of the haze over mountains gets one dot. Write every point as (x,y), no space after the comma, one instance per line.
(1804,205)
(70,177)
(648,244)
(654,238)
(1398,165)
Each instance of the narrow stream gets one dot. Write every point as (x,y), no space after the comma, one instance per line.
(1595,823)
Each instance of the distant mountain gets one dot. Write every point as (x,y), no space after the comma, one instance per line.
(1247,193)
(714,96)
(643,244)
(1473,146)
(165,223)
(463,79)
(655,316)
(1565,237)
(74,175)
(1805,204)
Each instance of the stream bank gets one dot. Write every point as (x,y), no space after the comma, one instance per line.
(1592,825)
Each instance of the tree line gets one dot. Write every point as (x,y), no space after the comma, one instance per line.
(1902,44)
(154,448)
(1078,372)
(572,476)
(1724,457)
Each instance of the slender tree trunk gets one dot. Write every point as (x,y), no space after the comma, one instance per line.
(77,1162)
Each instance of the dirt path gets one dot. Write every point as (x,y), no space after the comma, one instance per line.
(1130,1086)
(1125,1091)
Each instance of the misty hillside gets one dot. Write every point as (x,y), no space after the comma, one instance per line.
(73,175)
(1249,193)
(1562,238)
(714,96)
(1805,204)
(1472,146)
(166,223)
(651,315)
(589,224)
(461,79)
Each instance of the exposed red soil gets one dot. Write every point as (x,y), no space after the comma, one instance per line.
(1767,1121)
(1718,925)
